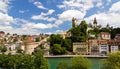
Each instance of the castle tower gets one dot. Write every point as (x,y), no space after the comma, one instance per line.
(30,45)
(95,22)
(74,22)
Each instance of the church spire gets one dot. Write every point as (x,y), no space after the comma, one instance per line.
(95,22)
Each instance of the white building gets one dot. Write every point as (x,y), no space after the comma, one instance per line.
(104,49)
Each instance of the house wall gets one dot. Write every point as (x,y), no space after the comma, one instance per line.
(80,48)
(105,36)
(114,48)
(29,47)
(103,49)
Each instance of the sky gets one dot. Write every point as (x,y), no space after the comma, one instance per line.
(33,17)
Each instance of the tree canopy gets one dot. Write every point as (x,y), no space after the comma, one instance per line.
(19,61)
(113,61)
(79,33)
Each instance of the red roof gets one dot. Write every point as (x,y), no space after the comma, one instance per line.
(29,40)
(104,33)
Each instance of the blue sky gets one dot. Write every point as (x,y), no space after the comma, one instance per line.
(53,16)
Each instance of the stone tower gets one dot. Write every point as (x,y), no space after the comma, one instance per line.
(30,45)
(74,22)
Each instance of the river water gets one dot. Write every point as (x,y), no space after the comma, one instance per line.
(96,63)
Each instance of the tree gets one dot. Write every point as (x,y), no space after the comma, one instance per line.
(40,62)
(105,30)
(55,39)
(83,27)
(79,33)
(114,31)
(37,39)
(56,50)
(67,43)
(62,65)
(80,63)
(113,61)
(3,48)
(75,34)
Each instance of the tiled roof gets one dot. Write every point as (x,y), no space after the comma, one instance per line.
(29,40)
(104,33)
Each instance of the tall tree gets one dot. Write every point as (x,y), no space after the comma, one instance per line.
(79,33)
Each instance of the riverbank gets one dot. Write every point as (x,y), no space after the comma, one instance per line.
(88,56)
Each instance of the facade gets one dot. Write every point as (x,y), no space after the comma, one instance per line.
(93,46)
(114,45)
(104,49)
(104,36)
(117,36)
(80,48)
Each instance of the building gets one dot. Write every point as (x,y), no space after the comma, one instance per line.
(104,36)
(117,36)
(2,33)
(114,45)
(80,48)
(93,46)
(104,49)
(30,45)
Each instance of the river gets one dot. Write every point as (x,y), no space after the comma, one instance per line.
(96,63)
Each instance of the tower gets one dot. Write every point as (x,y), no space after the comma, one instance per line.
(74,22)
(95,22)
(107,26)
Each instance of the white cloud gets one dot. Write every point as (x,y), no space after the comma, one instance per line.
(5,19)
(115,7)
(23,11)
(69,14)
(99,4)
(4,6)
(40,26)
(59,31)
(51,11)
(82,5)
(44,16)
(39,5)
(58,22)
(112,16)
(109,1)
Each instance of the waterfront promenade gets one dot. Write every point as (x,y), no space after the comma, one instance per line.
(88,56)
